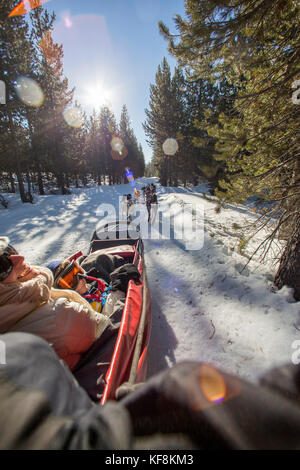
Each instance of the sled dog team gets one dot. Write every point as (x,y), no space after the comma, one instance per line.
(149,197)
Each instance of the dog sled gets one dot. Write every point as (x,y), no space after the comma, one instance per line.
(128,363)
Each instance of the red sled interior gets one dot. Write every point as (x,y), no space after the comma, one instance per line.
(129,359)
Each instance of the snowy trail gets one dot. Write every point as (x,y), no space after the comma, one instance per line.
(204,307)
(206,312)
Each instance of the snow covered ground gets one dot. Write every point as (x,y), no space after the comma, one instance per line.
(205,306)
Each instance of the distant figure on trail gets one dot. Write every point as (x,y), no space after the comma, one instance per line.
(151,204)
(137,195)
(126,207)
(153,188)
(144,192)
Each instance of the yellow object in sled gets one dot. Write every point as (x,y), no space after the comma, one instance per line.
(96,306)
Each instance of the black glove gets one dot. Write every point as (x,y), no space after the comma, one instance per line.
(121,276)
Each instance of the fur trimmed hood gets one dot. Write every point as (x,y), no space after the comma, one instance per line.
(61,317)
(17,299)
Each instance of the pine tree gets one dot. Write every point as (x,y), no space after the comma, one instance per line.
(14,49)
(141,161)
(75,146)
(213,99)
(56,94)
(41,24)
(164,120)
(107,130)
(92,149)
(135,158)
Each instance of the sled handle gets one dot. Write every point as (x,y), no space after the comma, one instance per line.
(75,256)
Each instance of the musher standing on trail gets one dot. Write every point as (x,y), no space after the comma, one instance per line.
(151,199)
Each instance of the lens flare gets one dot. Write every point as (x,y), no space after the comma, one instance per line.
(29,92)
(26,6)
(73,116)
(119,155)
(67,21)
(130,177)
(118,149)
(208,387)
(170,146)
(212,384)
(117,144)
(98,95)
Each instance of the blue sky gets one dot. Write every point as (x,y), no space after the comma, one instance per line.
(112,49)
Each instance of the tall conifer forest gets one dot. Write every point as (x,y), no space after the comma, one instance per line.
(46,138)
(228,114)
(233,105)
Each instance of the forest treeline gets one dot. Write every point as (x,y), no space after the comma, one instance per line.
(229,113)
(183,151)
(45,135)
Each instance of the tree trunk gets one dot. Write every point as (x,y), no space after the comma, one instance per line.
(163,177)
(288,273)
(35,158)
(29,197)
(21,184)
(61,182)
(17,160)
(40,182)
(83,180)
(12,182)
(28,182)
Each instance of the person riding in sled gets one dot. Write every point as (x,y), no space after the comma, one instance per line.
(70,275)
(103,296)
(30,303)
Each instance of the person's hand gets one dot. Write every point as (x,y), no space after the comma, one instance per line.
(82,286)
(29,273)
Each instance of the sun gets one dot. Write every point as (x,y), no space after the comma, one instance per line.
(97,95)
